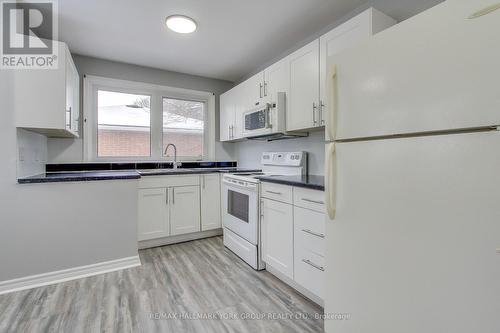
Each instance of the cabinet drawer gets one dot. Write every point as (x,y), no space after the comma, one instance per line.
(309,271)
(307,198)
(309,230)
(277,192)
(169,181)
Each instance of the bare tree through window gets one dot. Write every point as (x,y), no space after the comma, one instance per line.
(183,125)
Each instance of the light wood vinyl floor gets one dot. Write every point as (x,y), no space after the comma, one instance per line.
(198,286)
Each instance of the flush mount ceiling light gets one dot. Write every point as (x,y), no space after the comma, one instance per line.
(181,24)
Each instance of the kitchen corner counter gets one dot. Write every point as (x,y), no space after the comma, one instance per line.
(58,177)
(310,181)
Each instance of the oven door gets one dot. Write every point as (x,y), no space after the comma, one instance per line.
(240,209)
(257,121)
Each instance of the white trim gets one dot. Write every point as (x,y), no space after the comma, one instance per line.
(145,244)
(92,83)
(64,275)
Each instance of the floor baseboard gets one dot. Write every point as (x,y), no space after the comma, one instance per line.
(44,279)
(145,244)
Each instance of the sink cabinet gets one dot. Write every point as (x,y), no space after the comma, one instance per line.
(176,208)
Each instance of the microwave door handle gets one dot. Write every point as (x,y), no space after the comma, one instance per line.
(268,117)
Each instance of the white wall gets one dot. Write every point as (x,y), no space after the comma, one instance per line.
(31,153)
(49,227)
(248,152)
(71,150)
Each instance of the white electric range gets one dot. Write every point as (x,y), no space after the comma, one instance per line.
(241,208)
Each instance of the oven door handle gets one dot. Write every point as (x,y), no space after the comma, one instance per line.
(250,187)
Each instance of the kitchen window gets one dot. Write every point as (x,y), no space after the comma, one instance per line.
(133,121)
(184,125)
(123,124)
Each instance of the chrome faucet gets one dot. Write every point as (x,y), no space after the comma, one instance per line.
(175,154)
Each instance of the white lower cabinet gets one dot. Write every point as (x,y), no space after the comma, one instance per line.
(277,235)
(172,206)
(309,250)
(210,201)
(184,210)
(293,236)
(154,218)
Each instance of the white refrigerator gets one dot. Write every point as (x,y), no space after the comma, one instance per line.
(413,176)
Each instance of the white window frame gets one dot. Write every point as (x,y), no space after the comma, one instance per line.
(92,84)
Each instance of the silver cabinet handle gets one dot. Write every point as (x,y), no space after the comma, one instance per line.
(203,176)
(309,262)
(265,88)
(260,90)
(272,192)
(313,201)
(261,209)
(173,195)
(313,233)
(314,113)
(167,198)
(321,109)
(68,125)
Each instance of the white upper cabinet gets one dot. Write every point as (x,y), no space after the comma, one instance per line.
(276,79)
(47,100)
(302,111)
(302,76)
(231,108)
(344,37)
(252,91)
(226,115)
(210,201)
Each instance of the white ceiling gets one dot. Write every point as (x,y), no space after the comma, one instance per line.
(234,37)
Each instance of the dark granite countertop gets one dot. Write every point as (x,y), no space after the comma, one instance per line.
(310,181)
(187,171)
(55,177)
(79,176)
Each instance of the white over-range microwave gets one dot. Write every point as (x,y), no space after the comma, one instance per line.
(267,121)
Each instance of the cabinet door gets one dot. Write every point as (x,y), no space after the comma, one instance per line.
(210,202)
(341,38)
(153,219)
(226,116)
(252,91)
(304,88)
(309,250)
(277,79)
(185,209)
(72,96)
(277,235)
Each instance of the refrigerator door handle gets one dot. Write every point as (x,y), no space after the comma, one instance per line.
(330,165)
(330,118)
